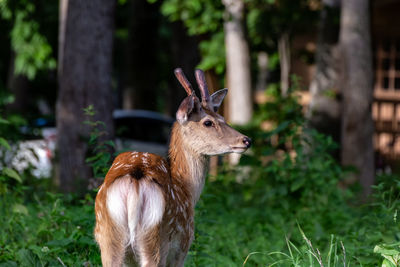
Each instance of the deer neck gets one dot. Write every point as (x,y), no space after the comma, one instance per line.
(187,166)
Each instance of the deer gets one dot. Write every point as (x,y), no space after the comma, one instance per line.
(145,206)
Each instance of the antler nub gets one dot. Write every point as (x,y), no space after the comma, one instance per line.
(201,81)
(184,82)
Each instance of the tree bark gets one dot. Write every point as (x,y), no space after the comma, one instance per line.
(284,62)
(85,55)
(237,63)
(240,106)
(357,88)
(325,105)
(18,85)
(263,72)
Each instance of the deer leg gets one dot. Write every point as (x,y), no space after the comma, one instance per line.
(180,255)
(149,247)
(109,236)
(112,247)
(180,258)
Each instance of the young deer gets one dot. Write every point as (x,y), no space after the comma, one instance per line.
(145,207)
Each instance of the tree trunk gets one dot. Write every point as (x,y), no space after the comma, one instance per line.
(325,106)
(237,64)
(357,124)
(18,85)
(284,62)
(85,54)
(263,72)
(240,104)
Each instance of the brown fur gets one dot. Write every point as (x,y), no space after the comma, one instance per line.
(159,196)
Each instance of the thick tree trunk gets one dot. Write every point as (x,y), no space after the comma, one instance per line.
(357,89)
(85,53)
(237,64)
(325,105)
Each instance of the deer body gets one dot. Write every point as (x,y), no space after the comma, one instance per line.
(145,207)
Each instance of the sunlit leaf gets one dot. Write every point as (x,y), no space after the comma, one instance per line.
(12,174)
(4,143)
(19,208)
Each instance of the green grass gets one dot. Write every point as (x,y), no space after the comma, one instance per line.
(232,229)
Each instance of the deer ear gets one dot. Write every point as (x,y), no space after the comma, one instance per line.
(217,98)
(185,109)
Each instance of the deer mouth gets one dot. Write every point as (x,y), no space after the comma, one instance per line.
(238,149)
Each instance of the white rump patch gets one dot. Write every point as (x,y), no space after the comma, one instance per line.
(116,201)
(152,205)
(135,209)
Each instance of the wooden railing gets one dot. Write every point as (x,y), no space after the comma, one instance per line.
(386,115)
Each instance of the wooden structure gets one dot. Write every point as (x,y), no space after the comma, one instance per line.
(386,106)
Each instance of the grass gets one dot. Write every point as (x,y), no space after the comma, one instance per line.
(46,229)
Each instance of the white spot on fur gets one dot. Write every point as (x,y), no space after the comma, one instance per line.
(144,160)
(179,227)
(172,194)
(163,168)
(116,165)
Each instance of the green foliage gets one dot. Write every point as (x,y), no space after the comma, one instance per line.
(32,50)
(268,19)
(265,21)
(201,18)
(46,231)
(244,215)
(280,207)
(8,176)
(213,55)
(40,228)
(391,253)
(99,156)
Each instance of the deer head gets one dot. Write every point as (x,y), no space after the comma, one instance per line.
(203,129)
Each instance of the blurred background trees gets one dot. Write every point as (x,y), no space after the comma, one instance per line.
(315,83)
(126,57)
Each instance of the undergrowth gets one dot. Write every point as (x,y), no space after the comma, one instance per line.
(281,206)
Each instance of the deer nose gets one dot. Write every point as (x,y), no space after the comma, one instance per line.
(247,141)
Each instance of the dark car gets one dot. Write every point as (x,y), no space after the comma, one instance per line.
(142,130)
(136,130)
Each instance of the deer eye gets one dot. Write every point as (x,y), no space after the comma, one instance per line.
(208,123)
